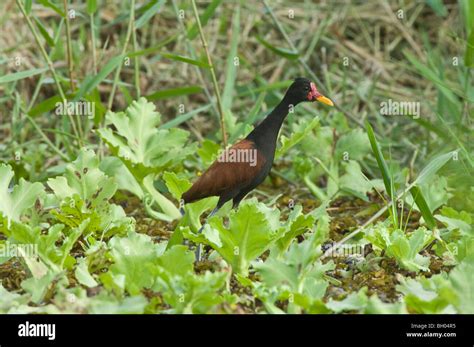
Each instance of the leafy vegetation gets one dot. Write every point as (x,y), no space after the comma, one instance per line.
(365,210)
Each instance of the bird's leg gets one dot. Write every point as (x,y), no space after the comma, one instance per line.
(198,246)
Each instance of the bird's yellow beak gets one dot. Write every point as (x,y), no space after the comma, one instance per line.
(325,100)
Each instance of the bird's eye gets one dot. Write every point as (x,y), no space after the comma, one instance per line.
(306,88)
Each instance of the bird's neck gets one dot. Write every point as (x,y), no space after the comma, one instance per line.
(266,133)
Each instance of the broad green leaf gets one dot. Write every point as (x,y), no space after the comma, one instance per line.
(139,142)
(433,295)
(353,302)
(84,192)
(462,280)
(353,145)
(192,293)
(252,229)
(83,275)
(14,202)
(296,137)
(133,257)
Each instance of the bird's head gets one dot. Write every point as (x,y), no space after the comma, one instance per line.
(302,89)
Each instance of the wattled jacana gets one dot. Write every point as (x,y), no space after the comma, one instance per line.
(245,165)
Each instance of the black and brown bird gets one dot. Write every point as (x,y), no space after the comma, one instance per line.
(246,164)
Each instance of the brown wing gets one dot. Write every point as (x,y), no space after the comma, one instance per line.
(234,169)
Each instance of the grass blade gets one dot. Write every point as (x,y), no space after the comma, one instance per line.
(387,177)
(423,206)
(16,76)
(184,117)
(204,18)
(283,52)
(433,167)
(152,8)
(89,84)
(173,92)
(186,60)
(380,160)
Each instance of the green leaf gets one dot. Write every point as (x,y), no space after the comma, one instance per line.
(13,203)
(153,8)
(114,167)
(173,92)
(296,137)
(133,257)
(44,33)
(91,7)
(353,302)
(91,82)
(83,177)
(283,52)
(354,181)
(462,280)
(184,117)
(380,161)
(432,168)
(183,59)
(297,224)
(177,186)
(82,274)
(192,293)
(433,295)
(208,152)
(21,75)
(49,4)
(404,248)
(44,106)
(193,31)
(353,145)
(423,206)
(84,192)
(252,229)
(177,261)
(297,274)
(169,209)
(139,142)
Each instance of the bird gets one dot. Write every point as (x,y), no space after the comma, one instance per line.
(246,164)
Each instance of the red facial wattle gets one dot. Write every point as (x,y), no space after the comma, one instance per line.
(314,95)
